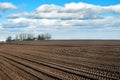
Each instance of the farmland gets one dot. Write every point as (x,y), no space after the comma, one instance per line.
(60,60)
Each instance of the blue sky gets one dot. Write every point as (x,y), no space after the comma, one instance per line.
(64,19)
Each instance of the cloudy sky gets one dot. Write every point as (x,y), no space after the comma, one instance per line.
(64,19)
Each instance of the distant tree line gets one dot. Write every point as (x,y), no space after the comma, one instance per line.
(28,37)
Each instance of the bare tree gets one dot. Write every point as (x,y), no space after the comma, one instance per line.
(9,39)
(46,36)
(17,38)
(29,37)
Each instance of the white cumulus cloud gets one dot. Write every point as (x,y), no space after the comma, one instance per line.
(71,16)
(1,26)
(17,15)
(74,11)
(6,7)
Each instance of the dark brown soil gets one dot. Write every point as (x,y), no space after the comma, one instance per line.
(60,60)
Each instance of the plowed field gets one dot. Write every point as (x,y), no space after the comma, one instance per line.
(60,60)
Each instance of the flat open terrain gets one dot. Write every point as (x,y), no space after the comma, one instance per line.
(60,60)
